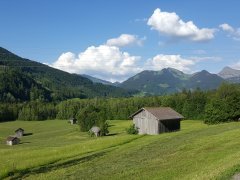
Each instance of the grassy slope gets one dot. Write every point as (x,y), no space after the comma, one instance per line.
(57,150)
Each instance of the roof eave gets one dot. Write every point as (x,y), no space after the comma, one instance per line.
(131,116)
(170,119)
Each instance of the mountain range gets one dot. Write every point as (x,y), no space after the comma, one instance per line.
(23,79)
(170,80)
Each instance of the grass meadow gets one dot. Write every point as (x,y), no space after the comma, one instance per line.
(55,149)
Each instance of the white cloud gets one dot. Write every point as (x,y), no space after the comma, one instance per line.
(171,25)
(236,65)
(66,60)
(125,40)
(106,62)
(232,32)
(174,61)
(226,27)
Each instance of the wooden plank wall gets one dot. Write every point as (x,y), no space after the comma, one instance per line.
(146,122)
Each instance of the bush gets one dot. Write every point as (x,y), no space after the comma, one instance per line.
(87,118)
(92,116)
(132,129)
(104,129)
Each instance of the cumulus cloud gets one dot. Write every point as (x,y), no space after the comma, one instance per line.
(236,65)
(106,62)
(174,61)
(172,25)
(226,27)
(125,40)
(232,32)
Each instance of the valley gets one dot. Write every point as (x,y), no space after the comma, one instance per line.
(105,90)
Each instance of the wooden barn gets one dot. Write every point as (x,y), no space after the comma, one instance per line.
(156,120)
(12,140)
(19,132)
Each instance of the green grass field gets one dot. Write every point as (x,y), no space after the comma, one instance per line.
(57,150)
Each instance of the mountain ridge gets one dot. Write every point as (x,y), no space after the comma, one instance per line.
(62,85)
(170,80)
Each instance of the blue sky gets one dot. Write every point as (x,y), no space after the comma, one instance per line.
(114,40)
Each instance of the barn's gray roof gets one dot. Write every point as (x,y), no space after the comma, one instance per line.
(161,113)
(95,129)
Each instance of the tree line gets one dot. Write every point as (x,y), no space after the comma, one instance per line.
(221,105)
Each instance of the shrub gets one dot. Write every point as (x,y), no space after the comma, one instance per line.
(104,129)
(87,118)
(132,129)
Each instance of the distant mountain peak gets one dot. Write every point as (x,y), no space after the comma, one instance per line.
(228,72)
(204,72)
(227,68)
(172,69)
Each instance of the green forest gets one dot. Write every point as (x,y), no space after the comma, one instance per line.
(25,80)
(216,106)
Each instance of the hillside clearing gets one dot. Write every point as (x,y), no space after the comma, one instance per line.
(57,150)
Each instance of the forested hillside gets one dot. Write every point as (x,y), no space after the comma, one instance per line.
(204,80)
(18,87)
(62,85)
(157,82)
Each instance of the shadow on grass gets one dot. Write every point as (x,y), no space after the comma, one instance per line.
(112,134)
(24,143)
(27,134)
(53,166)
(111,125)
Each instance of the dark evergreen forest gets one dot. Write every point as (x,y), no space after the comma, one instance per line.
(221,105)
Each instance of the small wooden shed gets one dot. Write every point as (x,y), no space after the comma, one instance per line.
(156,120)
(72,121)
(12,140)
(96,130)
(19,132)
